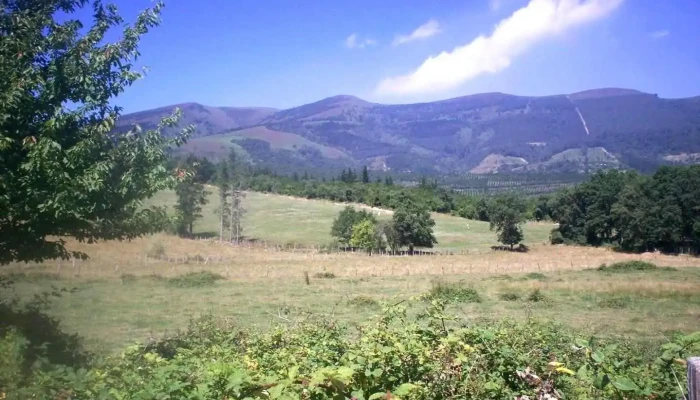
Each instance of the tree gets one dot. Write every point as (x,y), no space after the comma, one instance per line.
(506,214)
(389,181)
(64,172)
(365,174)
(388,229)
(414,226)
(191,196)
(541,211)
(346,219)
(223,181)
(364,236)
(236,211)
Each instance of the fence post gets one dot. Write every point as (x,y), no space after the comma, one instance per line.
(694,378)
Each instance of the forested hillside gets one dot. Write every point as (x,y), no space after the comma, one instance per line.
(484,133)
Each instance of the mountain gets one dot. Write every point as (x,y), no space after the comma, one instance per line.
(208,120)
(481,133)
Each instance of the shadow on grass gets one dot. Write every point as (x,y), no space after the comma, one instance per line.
(42,337)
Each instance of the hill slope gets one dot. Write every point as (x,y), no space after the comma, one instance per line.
(627,127)
(283,219)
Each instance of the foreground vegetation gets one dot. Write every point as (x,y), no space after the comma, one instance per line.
(426,355)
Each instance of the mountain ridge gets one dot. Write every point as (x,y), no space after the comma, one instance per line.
(637,129)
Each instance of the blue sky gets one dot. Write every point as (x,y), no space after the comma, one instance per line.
(286,53)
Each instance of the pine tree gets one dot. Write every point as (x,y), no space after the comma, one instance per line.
(365,175)
(191,196)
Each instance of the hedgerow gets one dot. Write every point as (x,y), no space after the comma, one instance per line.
(429,356)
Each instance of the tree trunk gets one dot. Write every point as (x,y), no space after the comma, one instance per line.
(410,249)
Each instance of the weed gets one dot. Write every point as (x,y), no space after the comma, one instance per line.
(128,278)
(537,276)
(536,296)
(509,296)
(31,277)
(363,301)
(196,258)
(502,277)
(195,279)
(324,275)
(156,250)
(615,302)
(453,292)
(630,266)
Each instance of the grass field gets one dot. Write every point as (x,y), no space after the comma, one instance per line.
(121,296)
(124,292)
(283,219)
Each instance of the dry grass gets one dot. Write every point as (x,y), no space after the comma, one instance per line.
(121,294)
(243,263)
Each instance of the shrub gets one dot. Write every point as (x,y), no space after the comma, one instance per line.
(195,279)
(156,250)
(324,275)
(422,357)
(453,292)
(555,237)
(614,302)
(536,296)
(537,276)
(128,278)
(363,301)
(502,277)
(629,266)
(509,296)
(196,258)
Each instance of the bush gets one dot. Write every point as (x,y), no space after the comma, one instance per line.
(195,279)
(537,276)
(536,296)
(422,357)
(555,237)
(128,278)
(629,266)
(156,250)
(615,302)
(453,292)
(509,296)
(324,275)
(363,301)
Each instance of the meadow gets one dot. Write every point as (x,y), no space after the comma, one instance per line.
(133,291)
(290,220)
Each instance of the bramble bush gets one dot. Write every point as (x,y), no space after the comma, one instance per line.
(430,356)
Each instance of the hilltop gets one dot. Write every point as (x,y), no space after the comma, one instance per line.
(482,133)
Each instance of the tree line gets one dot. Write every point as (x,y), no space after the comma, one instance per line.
(630,211)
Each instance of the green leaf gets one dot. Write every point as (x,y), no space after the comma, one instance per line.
(377,395)
(404,389)
(377,372)
(601,381)
(581,343)
(598,357)
(625,384)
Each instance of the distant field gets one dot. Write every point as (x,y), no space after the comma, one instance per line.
(218,146)
(283,219)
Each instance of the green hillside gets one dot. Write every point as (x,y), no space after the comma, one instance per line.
(283,219)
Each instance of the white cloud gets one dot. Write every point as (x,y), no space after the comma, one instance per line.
(525,28)
(660,34)
(428,29)
(354,42)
